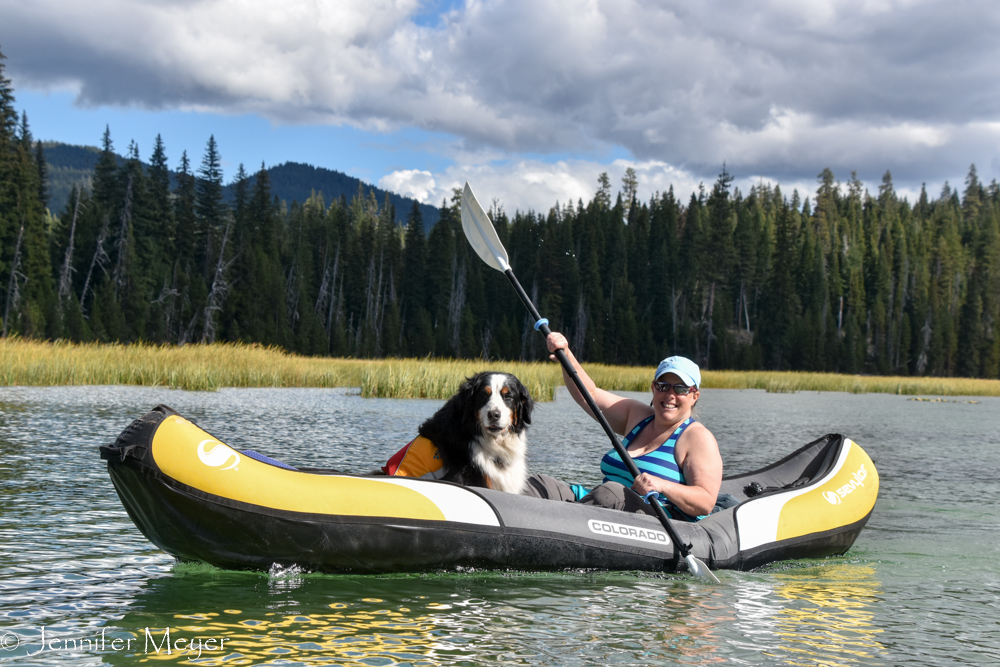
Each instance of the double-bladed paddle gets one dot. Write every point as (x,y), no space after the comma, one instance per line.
(483,238)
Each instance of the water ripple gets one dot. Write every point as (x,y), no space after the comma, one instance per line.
(921,586)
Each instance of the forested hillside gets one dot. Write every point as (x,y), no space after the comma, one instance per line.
(845,280)
(68,165)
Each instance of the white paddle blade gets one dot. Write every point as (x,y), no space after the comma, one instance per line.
(700,570)
(479,230)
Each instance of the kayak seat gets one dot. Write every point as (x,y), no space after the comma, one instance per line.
(754,489)
(815,470)
(724,502)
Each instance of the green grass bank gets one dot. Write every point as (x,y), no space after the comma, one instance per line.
(209,367)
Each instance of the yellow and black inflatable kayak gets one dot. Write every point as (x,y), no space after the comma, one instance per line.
(198,499)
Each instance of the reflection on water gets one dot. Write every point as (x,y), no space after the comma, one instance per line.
(920,587)
(831,619)
(813,615)
(433,619)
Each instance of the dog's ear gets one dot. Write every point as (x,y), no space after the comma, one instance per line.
(454,425)
(463,417)
(455,421)
(465,421)
(470,385)
(524,406)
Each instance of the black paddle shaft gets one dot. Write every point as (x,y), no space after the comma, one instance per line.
(661,514)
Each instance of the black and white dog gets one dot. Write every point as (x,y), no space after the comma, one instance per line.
(480,432)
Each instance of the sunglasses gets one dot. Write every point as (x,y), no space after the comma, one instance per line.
(679,389)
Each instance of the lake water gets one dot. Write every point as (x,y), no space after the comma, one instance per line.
(921,586)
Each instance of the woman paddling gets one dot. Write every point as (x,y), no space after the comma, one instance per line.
(678,457)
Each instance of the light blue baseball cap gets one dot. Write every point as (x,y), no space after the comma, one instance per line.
(683,368)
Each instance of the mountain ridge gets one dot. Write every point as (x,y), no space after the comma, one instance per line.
(69,164)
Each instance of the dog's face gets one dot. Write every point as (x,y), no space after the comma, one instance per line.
(480,432)
(500,402)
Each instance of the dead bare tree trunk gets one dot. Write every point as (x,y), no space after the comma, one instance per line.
(335,301)
(13,291)
(324,286)
(487,338)
(292,294)
(456,303)
(379,307)
(580,335)
(220,287)
(168,293)
(66,274)
(98,260)
(746,311)
(121,265)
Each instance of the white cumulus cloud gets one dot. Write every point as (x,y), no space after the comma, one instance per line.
(775,87)
(410,183)
(538,186)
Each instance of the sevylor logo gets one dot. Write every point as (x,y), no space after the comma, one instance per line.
(628,532)
(218,455)
(834,497)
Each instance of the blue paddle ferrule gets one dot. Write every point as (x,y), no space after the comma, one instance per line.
(539,323)
(649,495)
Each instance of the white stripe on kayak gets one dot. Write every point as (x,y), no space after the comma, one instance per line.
(456,503)
(758,519)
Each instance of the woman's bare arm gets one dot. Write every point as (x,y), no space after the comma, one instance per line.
(698,456)
(616,409)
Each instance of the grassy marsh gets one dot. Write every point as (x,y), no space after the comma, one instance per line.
(209,367)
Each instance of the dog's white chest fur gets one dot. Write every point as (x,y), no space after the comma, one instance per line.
(498,451)
(503,462)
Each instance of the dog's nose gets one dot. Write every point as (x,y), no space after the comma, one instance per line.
(493,414)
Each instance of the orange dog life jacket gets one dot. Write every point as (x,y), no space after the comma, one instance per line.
(420,458)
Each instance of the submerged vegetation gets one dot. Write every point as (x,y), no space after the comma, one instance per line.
(210,367)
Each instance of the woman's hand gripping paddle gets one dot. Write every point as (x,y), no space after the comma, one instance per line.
(484,240)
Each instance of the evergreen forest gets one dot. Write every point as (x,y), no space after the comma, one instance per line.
(845,280)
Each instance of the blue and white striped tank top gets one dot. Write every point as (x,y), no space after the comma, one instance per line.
(659,462)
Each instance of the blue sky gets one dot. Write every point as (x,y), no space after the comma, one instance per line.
(249,139)
(529,100)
